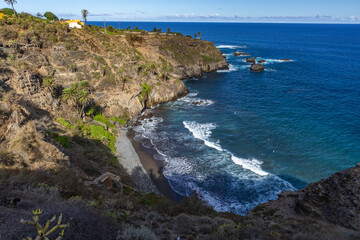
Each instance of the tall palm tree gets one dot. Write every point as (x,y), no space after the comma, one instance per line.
(12,2)
(85,13)
(84,99)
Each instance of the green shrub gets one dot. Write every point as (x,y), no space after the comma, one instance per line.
(99,133)
(8,11)
(100,60)
(51,17)
(122,120)
(132,39)
(65,123)
(102,119)
(94,110)
(63,140)
(132,233)
(145,92)
(110,28)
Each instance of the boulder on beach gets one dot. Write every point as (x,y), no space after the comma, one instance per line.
(240,54)
(251,60)
(257,68)
(261,61)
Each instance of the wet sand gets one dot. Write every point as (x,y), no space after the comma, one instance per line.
(154,168)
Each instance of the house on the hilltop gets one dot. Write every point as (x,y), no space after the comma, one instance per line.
(73,23)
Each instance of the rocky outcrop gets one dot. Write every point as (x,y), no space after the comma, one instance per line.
(240,54)
(262,61)
(257,68)
(251,60)
(334,200)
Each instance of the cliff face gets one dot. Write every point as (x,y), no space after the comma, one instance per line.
(328,208)
(116,64)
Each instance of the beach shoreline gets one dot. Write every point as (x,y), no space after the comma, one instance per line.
(153,167)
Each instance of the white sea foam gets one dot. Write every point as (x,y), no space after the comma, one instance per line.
(252,165)
(197,101)
(230,46)
(203,132)
(232,68)
(192,94)
(275,61)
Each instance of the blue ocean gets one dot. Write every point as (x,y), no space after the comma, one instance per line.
(240,138)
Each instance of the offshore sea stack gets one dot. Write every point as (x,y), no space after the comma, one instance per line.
(255,67)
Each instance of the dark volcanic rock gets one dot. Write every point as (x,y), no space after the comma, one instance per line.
(240,54)
(261,61)
(251,60)
(257,68)
(335,200)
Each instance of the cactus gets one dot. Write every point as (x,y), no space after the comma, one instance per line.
(44,232)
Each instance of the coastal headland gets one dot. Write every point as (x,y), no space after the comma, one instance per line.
(69,97)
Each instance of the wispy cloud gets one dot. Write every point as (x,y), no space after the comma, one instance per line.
(100,14)
(236,18)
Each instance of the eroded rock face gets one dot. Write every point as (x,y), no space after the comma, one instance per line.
(334,200)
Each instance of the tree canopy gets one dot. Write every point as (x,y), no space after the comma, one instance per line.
(50,16)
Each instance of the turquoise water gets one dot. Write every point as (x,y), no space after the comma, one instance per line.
(257,134)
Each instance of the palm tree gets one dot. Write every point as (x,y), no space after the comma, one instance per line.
(85,13)
(12,2)
(71,94)
(84,99)
(84,85)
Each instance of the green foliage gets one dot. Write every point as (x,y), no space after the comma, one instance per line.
(131,233)
(122,120)
(94,110)
(79,94)
(65,123)
(43,232)
(110,28)
(275,235)
(102,119)
(230,231)
(100,60)
(49,84)
(8,11)
(99,133)
(145,92)
(63,140)
(51,17)
(132,39)
(208,59)
(10,57)
(111,214)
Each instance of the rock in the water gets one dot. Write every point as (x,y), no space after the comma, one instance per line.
(240,54)
(147,114)
(251,60)
(257,68)
(261,61)
(285,60)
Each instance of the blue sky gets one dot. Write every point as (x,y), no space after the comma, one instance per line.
(336,11)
